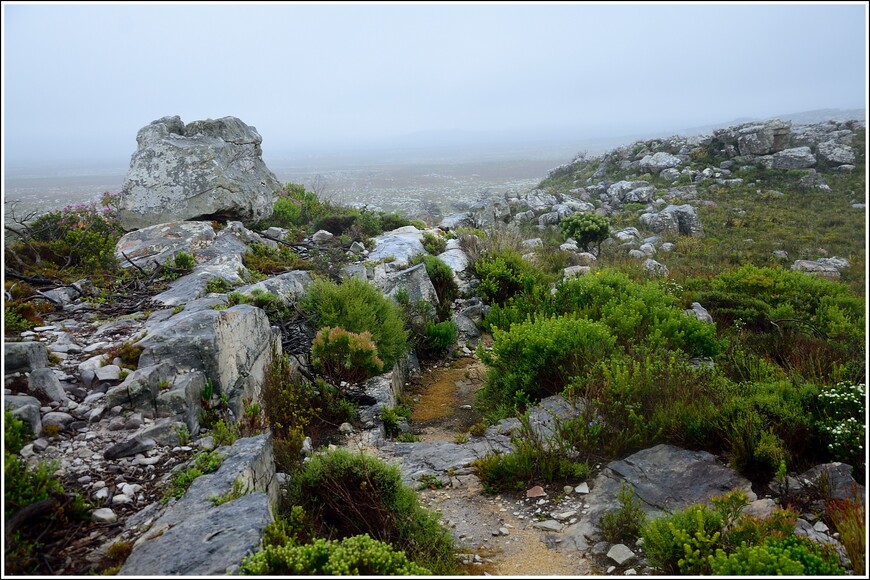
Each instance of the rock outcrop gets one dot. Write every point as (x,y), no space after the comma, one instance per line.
(211,169)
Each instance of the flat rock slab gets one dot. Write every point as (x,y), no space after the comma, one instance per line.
(620,553)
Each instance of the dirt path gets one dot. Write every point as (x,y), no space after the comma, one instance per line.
(496,532)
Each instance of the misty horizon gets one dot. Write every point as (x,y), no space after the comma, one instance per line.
(341,80)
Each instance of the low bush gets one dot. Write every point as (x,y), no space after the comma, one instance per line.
(357,306)
(442,280)
(433,243)
(682,542)
(347,494)
(268,261)
(625,523)
(849,517)
(289,407)
(345,356)
(532,459)
(536,359)
(355,555)
(201,464)
(502,276)
(791,556)
(439,336)
(587,229)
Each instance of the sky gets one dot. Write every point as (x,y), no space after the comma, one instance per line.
(79,80)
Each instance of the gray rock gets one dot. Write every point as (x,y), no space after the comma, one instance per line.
(414,280)
(573,271)
(44,383)
(402,244)
(654,268)
(25,408)
(674,219)
(550,218)
(583,488)
(794,158)
(763,139)
(159,244)
(457,220)
(533,243)
(648,250)
(88,369)
(817,268)
(24,356)
(104,516)
(195,537)
(840,483)
(627,235)
(108,373)
(58,418)
(321,236)
(232,347)
(456,259)
(549,526)
(211,169)
(620,553)
(289,286)
(164,432)
(699,312)
(355,271)
(780,254)
(659,161)
(835,153)
(128,448)
(465,326)
(670,174)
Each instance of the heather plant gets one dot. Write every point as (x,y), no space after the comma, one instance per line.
(624,523)
(503,275)
(841,421)
(73,242)
(442,280)
(790,556)
(345,356)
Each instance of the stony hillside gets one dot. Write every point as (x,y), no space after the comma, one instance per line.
(258,381)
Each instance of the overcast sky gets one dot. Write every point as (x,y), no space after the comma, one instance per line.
(81,80)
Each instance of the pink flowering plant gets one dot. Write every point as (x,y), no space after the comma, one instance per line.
(80,239)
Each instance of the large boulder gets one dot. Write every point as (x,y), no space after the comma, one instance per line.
(763,139)
(204,170)
(400,245)
(231,347)
(657,162)
(674,219)
(24,356)
(194,536)
(794,158)
(835,153)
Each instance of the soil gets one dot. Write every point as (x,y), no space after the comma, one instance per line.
(443,411)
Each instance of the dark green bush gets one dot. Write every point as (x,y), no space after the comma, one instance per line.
(268,261)
(433,243)
(348,494)
(536,359)
(587,229)
(345,356)
(289,405)
(502,275)
(356,555)
(623,524)
(442,280)
(439,336)
(358,307)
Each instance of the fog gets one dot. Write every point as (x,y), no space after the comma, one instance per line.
(386,80)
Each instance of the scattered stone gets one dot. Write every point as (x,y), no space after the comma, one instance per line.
(128,448)
(104,516)
(549,526)
(536,491)
(583,488)
(321,236)
(620,553)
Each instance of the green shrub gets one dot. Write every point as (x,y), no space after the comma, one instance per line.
(502,275)
(217,286)
(355,555)
(586,229)
(345,356)
(276,309)
(357,307)
(681,542)
(840,420)
(791,556)
(23,486)
(433,243)
(289,407)
(183,261)
(201,464)
(849,517)
(536,359)
(347,494)
(392,221)
(532,459)
(439,336)
(625,523)
(442,280)
(225,433)
(268,261)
